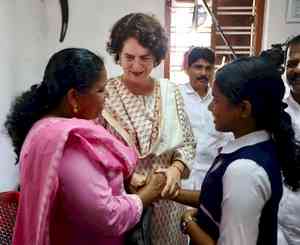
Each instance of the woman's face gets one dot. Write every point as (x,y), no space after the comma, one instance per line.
(137,62)
(226,115)
(91,103)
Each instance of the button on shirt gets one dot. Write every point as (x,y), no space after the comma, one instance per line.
(246,189)
(208,139)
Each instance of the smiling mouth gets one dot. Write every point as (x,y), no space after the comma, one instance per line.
(136,73)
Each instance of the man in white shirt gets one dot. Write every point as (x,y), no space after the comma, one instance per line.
(289,211)
(199,66)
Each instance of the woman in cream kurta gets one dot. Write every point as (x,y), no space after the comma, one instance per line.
(157,126)
(148,115)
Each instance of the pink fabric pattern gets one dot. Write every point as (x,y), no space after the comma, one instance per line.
(50,149)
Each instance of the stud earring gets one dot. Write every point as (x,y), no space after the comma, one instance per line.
(75,109)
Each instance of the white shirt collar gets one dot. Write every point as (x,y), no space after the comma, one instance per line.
(189,90)
(293,103)
(246,140)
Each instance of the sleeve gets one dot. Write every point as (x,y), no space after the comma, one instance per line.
(89,199)
(185,153)
(246,189)
(288,216)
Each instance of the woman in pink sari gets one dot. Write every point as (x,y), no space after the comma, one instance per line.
(72,170)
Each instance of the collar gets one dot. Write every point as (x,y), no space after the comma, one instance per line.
(246,140)
(189,90)
(292,102)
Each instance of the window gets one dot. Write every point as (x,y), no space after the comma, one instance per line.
(183,35)
(241,22)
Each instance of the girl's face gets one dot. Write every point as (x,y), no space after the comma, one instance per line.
(226,115)
(91,103)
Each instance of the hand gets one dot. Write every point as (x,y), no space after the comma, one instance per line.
(156,182)
(151,191)
(187,218)
(171,188)
(191,212)
(137,180)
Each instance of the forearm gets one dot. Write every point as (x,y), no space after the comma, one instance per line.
(187,197)
(147,196)
(198,236)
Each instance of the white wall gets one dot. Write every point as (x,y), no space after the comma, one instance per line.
(29,32)
(7,82)
(276,29)
(31,42)
(89,25)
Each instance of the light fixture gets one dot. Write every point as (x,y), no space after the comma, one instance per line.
(199,16)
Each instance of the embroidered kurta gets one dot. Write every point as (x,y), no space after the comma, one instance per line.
(159,129)
(72,174)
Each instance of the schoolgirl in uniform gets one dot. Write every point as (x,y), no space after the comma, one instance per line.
(239,199)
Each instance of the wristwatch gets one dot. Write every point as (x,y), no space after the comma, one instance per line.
(185,222)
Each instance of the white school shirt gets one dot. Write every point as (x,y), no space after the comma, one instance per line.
(289,209)
(246,189)
(208,139)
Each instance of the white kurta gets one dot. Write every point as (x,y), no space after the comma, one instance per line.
(208,139)
(289,210)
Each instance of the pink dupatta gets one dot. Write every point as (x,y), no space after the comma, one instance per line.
(39,160)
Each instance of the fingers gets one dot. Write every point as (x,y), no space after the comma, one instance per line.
(157,180)
(170,188)
(169,183)
(165,191)
(176,193)
(170,191)
(138,180)
(161,170)
(173,178)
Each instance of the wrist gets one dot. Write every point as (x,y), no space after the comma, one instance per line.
(145,196)
(179,167)
(148,194)
(186,222)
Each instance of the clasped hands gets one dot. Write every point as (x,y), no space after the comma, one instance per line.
(160,183)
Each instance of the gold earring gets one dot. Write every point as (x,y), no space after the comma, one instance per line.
(75,109)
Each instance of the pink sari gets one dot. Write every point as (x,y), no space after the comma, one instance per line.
(41,157)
